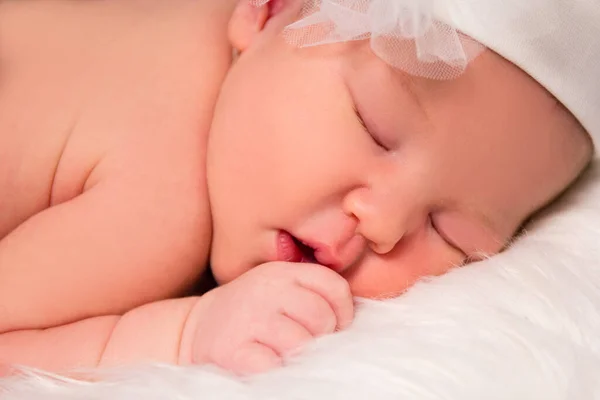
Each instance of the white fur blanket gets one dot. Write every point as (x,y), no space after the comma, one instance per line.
(522,325)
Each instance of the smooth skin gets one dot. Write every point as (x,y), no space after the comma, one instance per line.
(152,153)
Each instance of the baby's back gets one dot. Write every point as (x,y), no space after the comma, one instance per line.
(104,113)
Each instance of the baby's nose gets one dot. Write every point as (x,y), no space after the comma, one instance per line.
(381,220)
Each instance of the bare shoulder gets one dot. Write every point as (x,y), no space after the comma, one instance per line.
(128,82)
(149,118)
(146,106)
(136,97)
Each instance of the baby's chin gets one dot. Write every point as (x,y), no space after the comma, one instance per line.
(227,267)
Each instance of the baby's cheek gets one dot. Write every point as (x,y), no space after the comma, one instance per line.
(6,371)
(411,260)
(381,279)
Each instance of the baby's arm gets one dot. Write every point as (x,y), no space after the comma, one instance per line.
(245,326)
(149,333)
(137,236)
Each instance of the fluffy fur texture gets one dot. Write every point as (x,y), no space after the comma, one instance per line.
(522,325)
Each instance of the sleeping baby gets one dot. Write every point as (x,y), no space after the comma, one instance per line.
(350,148)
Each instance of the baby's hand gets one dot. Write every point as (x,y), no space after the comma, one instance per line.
(249,324)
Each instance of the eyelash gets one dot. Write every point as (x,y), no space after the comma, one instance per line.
(444,238)
(366,129)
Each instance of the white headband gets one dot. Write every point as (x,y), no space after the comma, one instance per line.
(557,42)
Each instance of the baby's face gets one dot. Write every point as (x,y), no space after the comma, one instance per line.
(437,173)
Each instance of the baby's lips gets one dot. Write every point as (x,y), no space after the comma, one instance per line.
(287,250)
(342,256)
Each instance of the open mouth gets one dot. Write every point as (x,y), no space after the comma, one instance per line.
(291,249)
(308,253)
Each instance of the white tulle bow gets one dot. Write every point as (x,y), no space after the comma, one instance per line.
(412,35)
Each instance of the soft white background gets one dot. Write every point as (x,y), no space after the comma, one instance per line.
(522,325)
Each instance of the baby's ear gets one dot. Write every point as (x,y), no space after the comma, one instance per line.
(248,20)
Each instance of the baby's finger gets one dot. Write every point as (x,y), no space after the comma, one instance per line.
(310,310)
(283,334)
(253,358)
(332,287)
